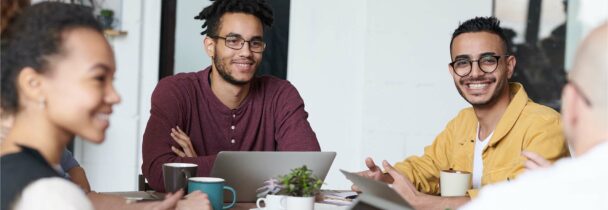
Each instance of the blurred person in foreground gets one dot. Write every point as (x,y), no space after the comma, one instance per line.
(70,168)
(57,82)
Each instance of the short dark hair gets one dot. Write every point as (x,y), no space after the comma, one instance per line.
(32,38)
(212,14)
(482,24)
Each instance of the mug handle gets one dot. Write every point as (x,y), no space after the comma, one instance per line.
(233,197)
(187,175)
(257,203)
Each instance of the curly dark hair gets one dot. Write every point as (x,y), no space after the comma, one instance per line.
(10,9)
(32,38)
(212,14)
(482,24)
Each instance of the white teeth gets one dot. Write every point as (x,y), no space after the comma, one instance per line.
(477,86)
(102,116)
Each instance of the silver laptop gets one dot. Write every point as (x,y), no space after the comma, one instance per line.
(377,193)
(247,171)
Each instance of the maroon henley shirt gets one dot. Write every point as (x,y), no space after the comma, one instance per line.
(271,118)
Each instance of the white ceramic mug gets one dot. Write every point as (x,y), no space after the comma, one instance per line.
(271,202)
(454,183)
(299,203)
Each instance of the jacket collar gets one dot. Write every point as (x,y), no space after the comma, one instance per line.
(514,110)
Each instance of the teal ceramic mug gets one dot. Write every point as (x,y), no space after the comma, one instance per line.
(214,188)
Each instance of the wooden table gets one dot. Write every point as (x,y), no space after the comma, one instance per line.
(243,206)
(318,206)
(139,195)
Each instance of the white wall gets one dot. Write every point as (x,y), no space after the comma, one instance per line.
(374,75)
(326,64)
(189,51)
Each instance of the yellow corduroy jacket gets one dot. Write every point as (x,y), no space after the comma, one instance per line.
(525,125)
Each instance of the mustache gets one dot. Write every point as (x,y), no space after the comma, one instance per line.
(483,78)
(248,60)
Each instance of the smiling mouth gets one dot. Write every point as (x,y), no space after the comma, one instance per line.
(243,62)
(477,86)
(103,119)
(243,65)
(102,116)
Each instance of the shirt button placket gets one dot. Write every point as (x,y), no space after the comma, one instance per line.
(232,127)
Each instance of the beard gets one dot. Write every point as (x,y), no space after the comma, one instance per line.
(500,88)
(221,69)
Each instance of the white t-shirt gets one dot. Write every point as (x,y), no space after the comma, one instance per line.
(478,159)
(579,183)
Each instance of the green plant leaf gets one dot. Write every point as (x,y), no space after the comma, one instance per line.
(300,182)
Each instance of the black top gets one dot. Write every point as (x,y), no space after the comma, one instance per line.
(20,169)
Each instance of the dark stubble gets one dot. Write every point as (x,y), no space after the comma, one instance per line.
(221,69)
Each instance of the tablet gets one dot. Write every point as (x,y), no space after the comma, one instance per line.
(376,189)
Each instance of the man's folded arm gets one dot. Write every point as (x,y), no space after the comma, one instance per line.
(293,131)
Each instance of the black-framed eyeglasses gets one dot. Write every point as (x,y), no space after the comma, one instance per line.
(237,43)
(580,92)
(487,64)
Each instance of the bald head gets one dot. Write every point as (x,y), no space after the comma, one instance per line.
(590,72)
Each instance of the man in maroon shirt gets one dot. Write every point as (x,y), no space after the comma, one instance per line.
(224,107)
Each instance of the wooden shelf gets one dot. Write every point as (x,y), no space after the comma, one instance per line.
(114,33)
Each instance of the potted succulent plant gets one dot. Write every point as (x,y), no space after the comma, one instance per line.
(300,186)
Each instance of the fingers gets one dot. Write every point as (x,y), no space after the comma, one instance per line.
(396,175)
(531,165)
(535,161)
(195,200)
(401,184)
(371,165)
(179,140)
(181,134)
(355,188)
(388,168)
(185,137)
(196,193)
(182,143)
(170,200)
(183,140)
(178,152)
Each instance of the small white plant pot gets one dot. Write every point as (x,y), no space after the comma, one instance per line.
(299,203)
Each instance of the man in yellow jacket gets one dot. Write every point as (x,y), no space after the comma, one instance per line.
(487,139)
